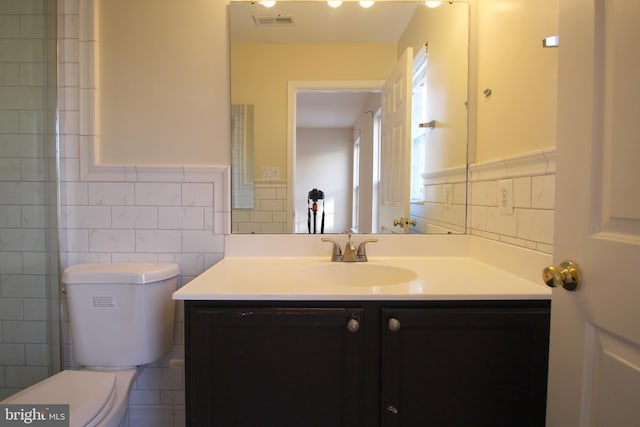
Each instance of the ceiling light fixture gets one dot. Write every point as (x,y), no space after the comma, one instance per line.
(334,3)
(366,3)
(268,3)
(432,4)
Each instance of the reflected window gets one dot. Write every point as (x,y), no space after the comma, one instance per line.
(377,132)
(356,185)
(419,115)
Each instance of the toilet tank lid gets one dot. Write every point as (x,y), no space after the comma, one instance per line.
(124,273)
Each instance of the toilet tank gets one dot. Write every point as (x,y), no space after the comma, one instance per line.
(121,315)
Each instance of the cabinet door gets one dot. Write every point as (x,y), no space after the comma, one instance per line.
(274,366)
(464,367)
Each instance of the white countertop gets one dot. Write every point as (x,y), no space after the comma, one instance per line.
(289,278)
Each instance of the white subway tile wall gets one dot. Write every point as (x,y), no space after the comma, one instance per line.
(436,214)
(127,214)
(268,216)
(530,224)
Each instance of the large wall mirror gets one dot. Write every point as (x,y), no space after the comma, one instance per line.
(359,117)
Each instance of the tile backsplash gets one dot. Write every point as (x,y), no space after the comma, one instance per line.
(527,218)
(120,222)
(268,214)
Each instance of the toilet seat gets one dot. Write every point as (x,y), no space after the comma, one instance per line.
(90,394)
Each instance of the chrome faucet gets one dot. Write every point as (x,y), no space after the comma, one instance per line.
(351,252)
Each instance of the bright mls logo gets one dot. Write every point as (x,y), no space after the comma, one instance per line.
(34,415)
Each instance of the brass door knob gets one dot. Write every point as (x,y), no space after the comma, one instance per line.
(567,275)
(403,222)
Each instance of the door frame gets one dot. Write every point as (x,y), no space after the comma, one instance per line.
(293,87)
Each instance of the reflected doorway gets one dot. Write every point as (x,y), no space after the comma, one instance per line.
(332,147)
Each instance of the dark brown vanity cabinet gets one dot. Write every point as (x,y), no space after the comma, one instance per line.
(464,366)
(366,364)
(280,366)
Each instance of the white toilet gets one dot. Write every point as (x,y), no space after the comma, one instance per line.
(122,317)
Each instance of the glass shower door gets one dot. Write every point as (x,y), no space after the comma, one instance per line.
(29,257)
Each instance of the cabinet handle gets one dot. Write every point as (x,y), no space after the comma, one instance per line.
(392,409)
(394,325)
(353,325)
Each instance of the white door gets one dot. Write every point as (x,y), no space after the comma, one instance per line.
(395,146)
(594,367)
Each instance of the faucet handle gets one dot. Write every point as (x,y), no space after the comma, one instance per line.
(336,255)
(362,252)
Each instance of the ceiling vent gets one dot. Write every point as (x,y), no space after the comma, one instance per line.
(261,20)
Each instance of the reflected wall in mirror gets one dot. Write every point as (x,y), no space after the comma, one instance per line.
(315,76)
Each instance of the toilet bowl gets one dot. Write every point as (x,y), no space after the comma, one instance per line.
(95,398)
(122,318)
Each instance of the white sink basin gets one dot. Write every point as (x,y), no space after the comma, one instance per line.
(356,274)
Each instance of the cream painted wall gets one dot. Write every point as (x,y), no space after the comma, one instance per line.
(520,114)
(163,81)
(260,74)
(324,159)
(165,92)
